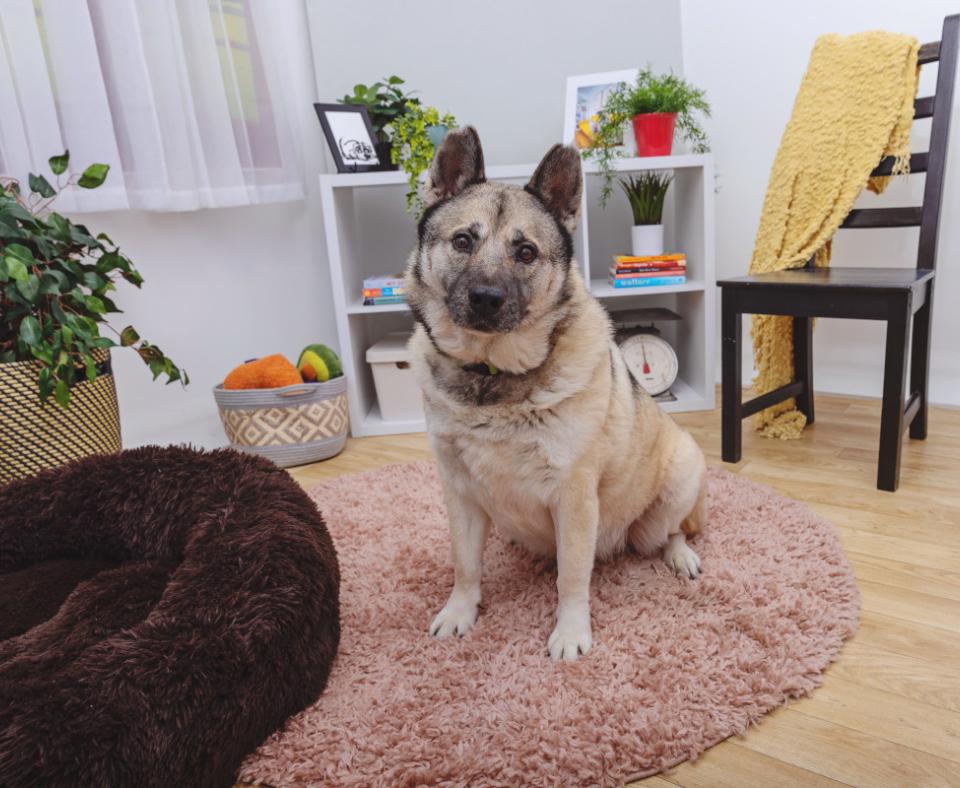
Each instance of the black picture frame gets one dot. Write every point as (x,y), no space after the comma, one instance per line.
(353,155)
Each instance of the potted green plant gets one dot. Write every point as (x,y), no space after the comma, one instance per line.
(646,193)
(385,102)
(56,278)
(416,134)
(659,107)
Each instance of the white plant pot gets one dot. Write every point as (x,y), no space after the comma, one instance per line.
(647,240)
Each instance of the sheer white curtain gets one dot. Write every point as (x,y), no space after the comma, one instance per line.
(185,100)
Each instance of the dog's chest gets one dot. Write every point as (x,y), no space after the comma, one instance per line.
(516,468)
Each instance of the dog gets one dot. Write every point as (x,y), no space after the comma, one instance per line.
(536,422)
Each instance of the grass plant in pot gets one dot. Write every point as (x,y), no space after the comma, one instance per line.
(660,107)
(646,193)
(386,102)
(416,134)
(58,400)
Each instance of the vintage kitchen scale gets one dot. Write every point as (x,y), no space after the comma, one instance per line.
(649,357)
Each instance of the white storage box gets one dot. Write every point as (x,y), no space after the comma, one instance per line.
(397,390)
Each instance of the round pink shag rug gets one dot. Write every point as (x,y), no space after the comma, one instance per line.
(676,666)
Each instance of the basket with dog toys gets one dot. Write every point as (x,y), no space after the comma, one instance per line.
(292,414)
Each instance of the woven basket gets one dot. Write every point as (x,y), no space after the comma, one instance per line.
(292,425)
(34,436)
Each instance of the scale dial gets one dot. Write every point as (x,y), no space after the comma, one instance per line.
(652,362)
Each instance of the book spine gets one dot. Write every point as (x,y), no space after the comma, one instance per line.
(373,292)
(384,300)
(653,281)
(654,266)
(619,274)
(380,282)
(627,258)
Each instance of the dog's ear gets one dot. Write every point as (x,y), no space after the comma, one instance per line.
(457,164)
(558,183)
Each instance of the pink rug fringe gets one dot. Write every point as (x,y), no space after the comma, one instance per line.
(676,666)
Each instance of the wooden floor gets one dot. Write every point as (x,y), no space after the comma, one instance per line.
(888,713)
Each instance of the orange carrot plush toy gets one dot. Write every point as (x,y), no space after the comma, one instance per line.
(269,372)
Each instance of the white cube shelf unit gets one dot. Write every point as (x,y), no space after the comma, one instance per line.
(368,232)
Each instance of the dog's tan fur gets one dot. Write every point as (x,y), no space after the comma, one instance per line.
(561,450)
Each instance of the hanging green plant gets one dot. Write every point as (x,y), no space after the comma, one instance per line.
(416,133)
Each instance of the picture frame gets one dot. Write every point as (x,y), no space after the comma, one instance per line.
(350,137)
(586,94)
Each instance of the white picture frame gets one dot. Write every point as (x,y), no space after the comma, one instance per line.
(586,93)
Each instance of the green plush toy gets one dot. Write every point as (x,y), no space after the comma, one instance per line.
(318,363)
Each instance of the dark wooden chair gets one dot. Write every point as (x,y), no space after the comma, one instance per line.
(903,297)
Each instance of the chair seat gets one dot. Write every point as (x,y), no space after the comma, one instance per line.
(870,279)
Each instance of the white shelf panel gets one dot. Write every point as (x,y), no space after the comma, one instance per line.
(349,180)
(641,163)
(375,424)
(601,288)
(357,308)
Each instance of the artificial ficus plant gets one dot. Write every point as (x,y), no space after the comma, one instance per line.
(55,278)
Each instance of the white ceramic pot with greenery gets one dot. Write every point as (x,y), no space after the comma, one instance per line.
(646,193)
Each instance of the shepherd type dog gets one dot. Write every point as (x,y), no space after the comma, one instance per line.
(537,424)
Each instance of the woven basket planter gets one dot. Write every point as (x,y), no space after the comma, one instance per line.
(35,436)
(292,425)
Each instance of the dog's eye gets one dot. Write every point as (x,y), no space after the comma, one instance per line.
(462,242)
(527,253)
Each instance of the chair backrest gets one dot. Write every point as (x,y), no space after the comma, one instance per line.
(938,107)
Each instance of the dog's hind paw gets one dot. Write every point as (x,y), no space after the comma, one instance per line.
(457,618)
(681,558)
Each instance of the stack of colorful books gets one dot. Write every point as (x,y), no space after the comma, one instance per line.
(654,271)
(381,290)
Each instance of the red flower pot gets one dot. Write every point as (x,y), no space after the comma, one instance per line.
(654,133)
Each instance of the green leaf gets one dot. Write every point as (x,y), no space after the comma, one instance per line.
(62,393)
(30,330)
(91,367)
(59,163)
(40,185)
(102,342)
(105,237)
(94,176)
(60,225)
(94,304)
(46,385)
(29,288)
(93,280)
(129,336)
(133,277)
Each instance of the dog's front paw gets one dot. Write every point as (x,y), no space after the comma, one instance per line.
(681,558)
(457,617)
(571,637)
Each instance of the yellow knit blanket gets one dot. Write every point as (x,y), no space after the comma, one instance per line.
(854,106)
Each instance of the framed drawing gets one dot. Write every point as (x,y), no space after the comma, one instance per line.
(350,136)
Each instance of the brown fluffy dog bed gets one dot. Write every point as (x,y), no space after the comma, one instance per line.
(161,612)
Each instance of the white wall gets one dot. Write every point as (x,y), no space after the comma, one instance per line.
(500,65)
(750,57)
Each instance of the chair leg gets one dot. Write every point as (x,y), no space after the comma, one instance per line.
(920,365)
(731,331)
(894,393)
(803,363)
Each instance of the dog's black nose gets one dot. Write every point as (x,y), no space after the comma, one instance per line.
(486,301)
